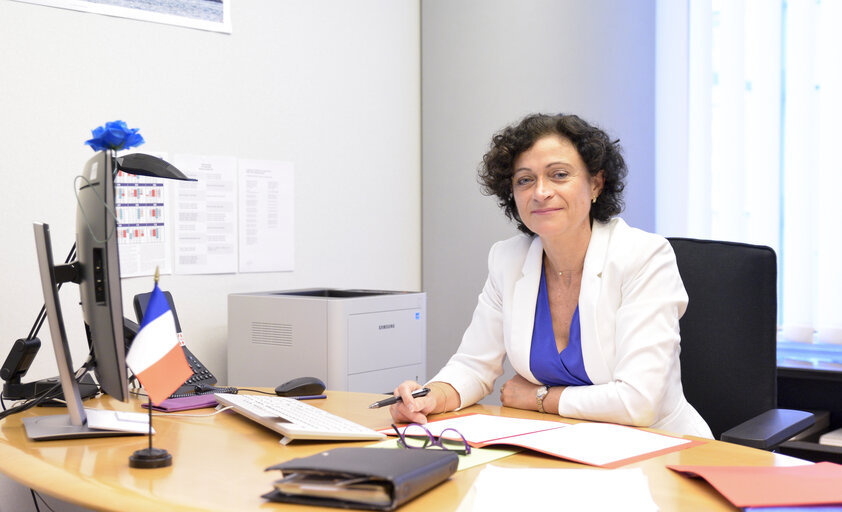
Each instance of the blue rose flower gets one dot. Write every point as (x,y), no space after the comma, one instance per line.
(115,135)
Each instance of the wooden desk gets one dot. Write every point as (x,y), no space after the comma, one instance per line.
(218,463)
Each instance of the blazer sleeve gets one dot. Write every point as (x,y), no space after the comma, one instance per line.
(478,362)
(644,364)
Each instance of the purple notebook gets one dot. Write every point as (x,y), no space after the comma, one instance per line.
(185,403)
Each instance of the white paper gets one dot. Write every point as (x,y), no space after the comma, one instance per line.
(205,217)
(598,443)
(590,443)
(142,208)
(266,216)
(120,421)
(594,490)
(214,16)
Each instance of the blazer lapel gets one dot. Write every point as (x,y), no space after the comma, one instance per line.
(523,309)
(592,350)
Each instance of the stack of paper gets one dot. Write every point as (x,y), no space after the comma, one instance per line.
(575,489)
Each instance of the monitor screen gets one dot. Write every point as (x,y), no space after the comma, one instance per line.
(99,273)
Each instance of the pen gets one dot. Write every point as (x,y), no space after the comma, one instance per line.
(395,399)
(309,397)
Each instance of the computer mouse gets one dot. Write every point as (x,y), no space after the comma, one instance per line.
(302,386)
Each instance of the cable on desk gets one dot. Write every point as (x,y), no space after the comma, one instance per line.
(258,391)
(30,403)
(50,394)
(208,415)
(203,389)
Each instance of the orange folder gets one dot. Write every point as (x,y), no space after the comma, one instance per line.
(775,486)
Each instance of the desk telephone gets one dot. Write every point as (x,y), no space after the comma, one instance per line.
(202,380)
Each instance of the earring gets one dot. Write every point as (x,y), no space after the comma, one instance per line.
(593,200)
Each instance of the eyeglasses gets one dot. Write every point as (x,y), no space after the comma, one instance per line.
(416,436)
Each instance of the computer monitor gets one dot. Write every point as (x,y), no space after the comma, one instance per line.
(97,271)
(99,285)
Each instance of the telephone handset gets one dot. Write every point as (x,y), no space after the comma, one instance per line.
(202,377)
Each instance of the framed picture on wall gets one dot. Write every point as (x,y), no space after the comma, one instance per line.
(213,15)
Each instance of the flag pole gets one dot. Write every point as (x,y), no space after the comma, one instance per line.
(149,458)
(149,403)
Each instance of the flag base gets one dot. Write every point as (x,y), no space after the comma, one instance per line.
(148,458)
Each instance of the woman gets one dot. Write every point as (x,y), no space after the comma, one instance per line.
(585,307)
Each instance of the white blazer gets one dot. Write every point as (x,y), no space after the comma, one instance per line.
(629,304)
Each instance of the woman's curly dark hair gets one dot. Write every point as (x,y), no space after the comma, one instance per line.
(597,150)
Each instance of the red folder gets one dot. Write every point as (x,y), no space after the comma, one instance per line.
(775,486)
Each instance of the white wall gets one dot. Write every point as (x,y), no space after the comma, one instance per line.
(486,64)
(330,85)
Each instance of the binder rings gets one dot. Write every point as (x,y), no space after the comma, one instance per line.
(370,478)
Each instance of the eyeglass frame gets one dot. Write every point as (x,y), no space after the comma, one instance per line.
(432,441)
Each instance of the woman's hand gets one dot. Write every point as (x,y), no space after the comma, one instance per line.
(410,409)
(519,393)
(522,394)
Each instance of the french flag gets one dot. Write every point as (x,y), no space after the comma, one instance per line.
(156,356)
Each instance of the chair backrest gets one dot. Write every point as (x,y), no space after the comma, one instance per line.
(728,333)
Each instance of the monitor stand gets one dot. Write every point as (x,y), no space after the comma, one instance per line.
(79,422)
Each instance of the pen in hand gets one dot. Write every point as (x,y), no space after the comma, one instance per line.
(395,399)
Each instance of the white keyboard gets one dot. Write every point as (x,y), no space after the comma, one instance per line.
(296,419)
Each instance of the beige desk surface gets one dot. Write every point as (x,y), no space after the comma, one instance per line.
(218,463)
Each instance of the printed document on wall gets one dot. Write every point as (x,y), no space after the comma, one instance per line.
(266,216)
(205,216)
(142,207)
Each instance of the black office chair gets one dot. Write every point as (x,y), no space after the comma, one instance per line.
(728,342)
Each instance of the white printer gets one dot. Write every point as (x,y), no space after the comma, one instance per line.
(354,340)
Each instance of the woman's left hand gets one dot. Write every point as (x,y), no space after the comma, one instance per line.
(519,393)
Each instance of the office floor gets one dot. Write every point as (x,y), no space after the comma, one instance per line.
(17,498)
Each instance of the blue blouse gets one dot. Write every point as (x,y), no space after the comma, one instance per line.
(547,364)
